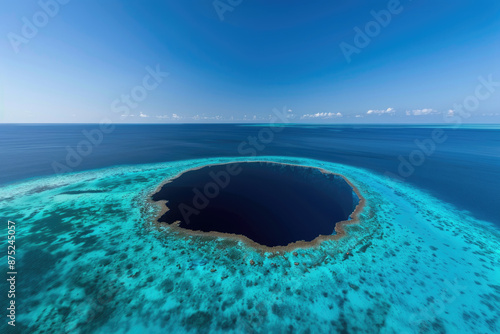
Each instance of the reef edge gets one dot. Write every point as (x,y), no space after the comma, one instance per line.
(300,244)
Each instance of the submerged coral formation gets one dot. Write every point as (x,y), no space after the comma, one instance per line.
(91,259)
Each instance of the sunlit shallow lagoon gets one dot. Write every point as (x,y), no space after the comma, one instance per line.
(92,259)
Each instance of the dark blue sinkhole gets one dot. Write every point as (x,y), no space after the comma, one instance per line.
(272,204)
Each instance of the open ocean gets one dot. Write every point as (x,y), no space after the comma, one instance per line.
(422,256)
(463,170)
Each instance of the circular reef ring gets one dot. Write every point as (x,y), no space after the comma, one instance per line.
(228,200)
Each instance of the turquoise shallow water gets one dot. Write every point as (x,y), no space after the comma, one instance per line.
(90,259)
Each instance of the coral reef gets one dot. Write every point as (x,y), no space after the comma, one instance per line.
(92,260)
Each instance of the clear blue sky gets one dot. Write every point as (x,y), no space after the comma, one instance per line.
(80,62)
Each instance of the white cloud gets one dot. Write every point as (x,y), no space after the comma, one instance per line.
(419,112)
(203,117)
(322,115)
(381,111)
(143,115)
(175,116)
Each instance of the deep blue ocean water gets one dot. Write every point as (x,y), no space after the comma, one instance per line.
(268,203)
(463,169)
